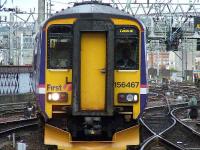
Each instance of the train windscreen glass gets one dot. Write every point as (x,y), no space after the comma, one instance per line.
(60,46)
(126,48)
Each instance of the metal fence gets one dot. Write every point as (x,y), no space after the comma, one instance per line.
(15,80)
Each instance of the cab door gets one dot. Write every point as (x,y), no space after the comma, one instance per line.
(93,71)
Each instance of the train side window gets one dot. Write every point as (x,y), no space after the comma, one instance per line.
(60,47)
(126,54)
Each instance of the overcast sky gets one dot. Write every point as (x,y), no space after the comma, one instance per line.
(59,4)
(27,5)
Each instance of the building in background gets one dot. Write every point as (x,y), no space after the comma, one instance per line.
(158,60)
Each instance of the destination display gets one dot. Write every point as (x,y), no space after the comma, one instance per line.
(126,31)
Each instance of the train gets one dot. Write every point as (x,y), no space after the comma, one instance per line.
(90,78)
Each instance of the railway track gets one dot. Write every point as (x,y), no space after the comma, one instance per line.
(179,92)
(182,137)
(166,131)
(12,117)
(181,115)
(8,128)
(183,134)
(15,122)
(157,120)
(159,143)
(12,108)
(156,141)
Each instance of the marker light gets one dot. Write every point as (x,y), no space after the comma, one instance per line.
(135,98)
(121,97)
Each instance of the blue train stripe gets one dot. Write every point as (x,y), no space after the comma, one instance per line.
(41,98)
(143,78)
(143,102)
(42,60)
(143,61)
(42,71)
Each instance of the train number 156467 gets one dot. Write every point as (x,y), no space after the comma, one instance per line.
(126,84)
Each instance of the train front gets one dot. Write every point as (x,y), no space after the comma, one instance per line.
(92,78)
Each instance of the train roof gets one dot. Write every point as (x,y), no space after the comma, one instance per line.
(91,9)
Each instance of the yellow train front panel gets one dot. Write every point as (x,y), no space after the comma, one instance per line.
(57,80)
(128,81)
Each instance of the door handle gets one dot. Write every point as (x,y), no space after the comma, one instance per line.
(103,70)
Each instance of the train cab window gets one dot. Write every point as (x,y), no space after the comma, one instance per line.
(60,47)
(126,50)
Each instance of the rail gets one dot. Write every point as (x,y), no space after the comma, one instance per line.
(156,140)
(8,127)
(159,135)
(154,126)
(183,124)
(12,108)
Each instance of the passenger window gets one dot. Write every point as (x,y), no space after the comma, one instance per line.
(60,47)
(127,50)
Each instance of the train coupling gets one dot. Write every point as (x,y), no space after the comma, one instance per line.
(92,126)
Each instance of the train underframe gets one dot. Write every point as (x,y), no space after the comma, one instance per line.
(117,132)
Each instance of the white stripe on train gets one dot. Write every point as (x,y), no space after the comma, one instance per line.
(143,90)
(41,90)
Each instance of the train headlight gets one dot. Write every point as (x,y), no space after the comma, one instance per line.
(128,97)
(61,96)
(55,96)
